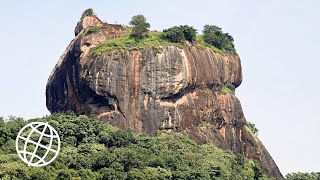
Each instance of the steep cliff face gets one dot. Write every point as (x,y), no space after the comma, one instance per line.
(177,89)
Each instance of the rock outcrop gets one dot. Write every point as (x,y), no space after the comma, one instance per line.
(178,89)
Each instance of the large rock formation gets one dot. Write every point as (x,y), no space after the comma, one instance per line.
(178,89)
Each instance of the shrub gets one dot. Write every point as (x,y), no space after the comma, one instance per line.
(231,87)
(303,176)
(9,130)
(228,88)
(90,30)
(257,172)
(67,174)
(109,173)
(178,34)
(88,174)
(87,12)
(140,25)
(201,44)
(120,138)
(214,35)
(252,128)
(37,173)
(132,43)
(156,173)
(135,174)
(174,34)
(189,32)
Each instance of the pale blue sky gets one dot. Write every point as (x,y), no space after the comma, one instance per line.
(278,42)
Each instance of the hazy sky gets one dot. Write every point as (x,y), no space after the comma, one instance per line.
(278,42)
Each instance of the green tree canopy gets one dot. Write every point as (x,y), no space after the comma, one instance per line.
(214,35)
(252,128)
(140,25)
(303,176)
(92,149)
(88,12)
(178,34)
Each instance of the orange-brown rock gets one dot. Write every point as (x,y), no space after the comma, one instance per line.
(177,90)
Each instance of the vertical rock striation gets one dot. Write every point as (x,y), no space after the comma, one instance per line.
(177,90)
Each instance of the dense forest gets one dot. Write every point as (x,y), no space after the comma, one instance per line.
(92,149)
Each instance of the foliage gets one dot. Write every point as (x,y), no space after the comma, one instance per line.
(178,34)
(174,34)
(87,12)
(138,37)
(201,44)
(228,88)
(9,130)
(214,35)
(132,43)
(94,150)
(252,128)
(303,176)
(90,30)
(231,87)
(140,25)
(157,40)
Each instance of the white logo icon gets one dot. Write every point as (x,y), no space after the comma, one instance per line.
(38,144)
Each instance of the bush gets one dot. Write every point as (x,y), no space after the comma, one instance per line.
(10,129)
(174,34)
(132,43)
(257,172)
(109,173)
(178,34)
(140,25)
(303,176)
(228,88)
(87,12)
(90,30)
(119,138)
(88,174)
(38,174)
(214,35)
(66,174)
(136,174)
(252,128)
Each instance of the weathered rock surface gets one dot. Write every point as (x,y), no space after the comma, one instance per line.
(173,90)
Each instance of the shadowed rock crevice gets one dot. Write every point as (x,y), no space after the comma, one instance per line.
(174,97)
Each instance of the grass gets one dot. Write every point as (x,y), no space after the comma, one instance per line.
(131,43)
(200,44)
(151,39)
(90,30)
(226,90)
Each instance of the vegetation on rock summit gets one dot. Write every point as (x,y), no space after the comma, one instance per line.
(138,37)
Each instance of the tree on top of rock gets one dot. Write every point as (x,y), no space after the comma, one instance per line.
(88,12)
(214,35)
(140,25)
(178,34)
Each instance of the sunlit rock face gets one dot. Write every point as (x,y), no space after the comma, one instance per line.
(174,90)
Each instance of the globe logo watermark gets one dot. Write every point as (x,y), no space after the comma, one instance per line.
(38,144)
